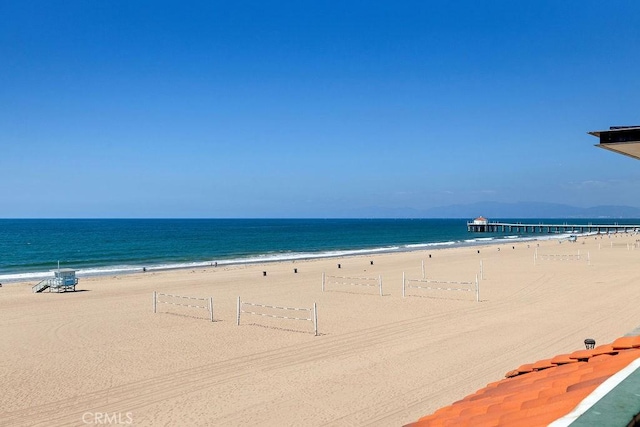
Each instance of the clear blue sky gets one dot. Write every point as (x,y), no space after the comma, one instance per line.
(127,108)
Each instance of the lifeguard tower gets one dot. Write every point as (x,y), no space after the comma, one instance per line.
(64,280)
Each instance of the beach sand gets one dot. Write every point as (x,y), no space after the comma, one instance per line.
(101,356)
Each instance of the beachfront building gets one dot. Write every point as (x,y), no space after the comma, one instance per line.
(620,139)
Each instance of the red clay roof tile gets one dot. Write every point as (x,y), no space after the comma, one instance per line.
(523,369)
(562,359)
(588,383)
(626,342)
(604,349)
(512,373)
(581,354)
(538,393)
(543,364)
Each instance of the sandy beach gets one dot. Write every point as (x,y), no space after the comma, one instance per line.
(100,356)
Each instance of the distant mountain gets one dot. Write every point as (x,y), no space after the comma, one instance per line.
(494,210)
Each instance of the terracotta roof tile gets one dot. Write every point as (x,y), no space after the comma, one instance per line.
(562,359)
(523,369)
(503,407)
(604,349)
(543,364)
(581,354)
(540,415)
(512,373)
(626,342)
(471,410)
(588,383)
(540,392)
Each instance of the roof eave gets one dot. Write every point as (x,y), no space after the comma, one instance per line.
(597,133)
(615,148)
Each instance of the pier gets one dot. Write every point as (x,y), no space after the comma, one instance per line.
(505,227)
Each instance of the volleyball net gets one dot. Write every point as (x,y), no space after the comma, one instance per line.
(183,301)
(537,257)
(278,312)
(337,282)
(440,285)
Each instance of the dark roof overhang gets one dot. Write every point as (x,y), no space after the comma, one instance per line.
(620,139)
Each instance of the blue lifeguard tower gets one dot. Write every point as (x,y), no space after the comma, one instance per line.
(64,280)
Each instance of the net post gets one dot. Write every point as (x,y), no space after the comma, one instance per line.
(315,319)
(477,289)
(155,302)
(403,284)
(423,272)
(380,283)
(211,307)
(238,314)
(323,281)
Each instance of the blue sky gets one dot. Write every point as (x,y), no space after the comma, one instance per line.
(312,108)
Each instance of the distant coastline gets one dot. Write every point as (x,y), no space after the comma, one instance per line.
(118,247)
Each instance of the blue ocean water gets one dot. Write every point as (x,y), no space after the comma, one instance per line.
(31,248)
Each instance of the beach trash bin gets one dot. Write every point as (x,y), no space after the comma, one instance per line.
(339,266)
(295,270)
(264,273)
(371,262)
(589,343)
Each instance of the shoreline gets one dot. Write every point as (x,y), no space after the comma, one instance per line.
(98,271)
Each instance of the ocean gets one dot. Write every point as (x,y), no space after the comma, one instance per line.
(31,248)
